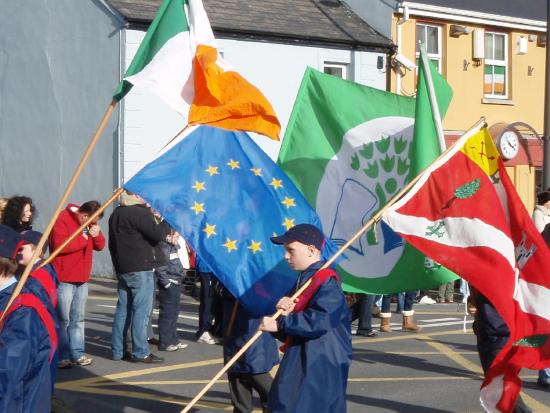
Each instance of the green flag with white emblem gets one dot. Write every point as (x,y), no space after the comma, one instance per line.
(347,148)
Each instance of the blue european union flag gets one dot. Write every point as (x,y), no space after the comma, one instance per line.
(226,197)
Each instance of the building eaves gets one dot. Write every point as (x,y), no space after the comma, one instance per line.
(328,23)
(522,9)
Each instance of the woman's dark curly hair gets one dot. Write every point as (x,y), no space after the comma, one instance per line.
(13,210)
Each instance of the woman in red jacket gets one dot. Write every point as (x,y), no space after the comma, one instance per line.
(73,266)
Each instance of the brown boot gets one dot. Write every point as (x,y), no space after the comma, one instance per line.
(385,319)
(408,323)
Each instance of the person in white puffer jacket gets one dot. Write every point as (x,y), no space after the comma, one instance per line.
(541,214)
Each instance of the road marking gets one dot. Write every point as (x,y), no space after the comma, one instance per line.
(189,317)
(413,353)
(461,361)
(433,320)
(133,373)
(147,396)
(398,326)
(103,298)
(389,337)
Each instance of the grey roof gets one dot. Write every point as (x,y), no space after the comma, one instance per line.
(525,9)
(324,22)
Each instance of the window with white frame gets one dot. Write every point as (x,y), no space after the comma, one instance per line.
(430,36)
(495,82)
(336,69)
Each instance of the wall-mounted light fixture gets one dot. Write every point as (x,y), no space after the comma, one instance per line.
(521,44)
(456,31)
(478,49)
(402,61)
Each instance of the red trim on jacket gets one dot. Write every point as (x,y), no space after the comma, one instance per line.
(46,281)
(31,301)
(317,280)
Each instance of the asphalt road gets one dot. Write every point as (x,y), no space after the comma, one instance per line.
(435,371)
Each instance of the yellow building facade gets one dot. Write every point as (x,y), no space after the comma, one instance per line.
(496,68)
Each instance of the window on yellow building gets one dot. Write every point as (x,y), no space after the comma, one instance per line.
(495,84)
(430,36)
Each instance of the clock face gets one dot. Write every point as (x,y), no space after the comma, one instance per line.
(508,144)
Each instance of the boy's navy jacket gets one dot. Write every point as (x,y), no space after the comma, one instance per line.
(262,356)
(313,373)
(25,379)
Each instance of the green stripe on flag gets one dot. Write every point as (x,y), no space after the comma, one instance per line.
(169,21)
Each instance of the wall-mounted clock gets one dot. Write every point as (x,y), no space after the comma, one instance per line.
(508,144)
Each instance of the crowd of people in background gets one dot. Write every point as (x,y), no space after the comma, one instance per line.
(46,330)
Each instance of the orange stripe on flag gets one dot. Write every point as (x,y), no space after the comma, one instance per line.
(227,100)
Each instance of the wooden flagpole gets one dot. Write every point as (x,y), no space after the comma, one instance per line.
(92,217)
(60,205)
(375,218)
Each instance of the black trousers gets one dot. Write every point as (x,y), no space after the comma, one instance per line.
(169,308)
(240,388)
(209,306)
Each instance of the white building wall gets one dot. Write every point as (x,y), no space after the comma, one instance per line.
(276,69)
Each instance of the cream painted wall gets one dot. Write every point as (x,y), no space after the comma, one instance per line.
(526,93)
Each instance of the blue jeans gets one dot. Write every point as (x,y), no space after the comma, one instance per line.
(71,308)
(407,304)
(133,308)
(365,302)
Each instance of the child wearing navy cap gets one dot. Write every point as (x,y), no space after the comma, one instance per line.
(313,373)
(28,339)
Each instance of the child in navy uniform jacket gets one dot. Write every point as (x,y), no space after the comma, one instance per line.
(313,373)
(28,339)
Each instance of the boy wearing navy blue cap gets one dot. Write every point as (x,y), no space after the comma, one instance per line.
(316,329)
(28,339)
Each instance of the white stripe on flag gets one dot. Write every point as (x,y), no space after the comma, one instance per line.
(533,298)
(491,394)
(169,73)
(457,232)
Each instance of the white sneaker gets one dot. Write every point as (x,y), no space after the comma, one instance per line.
(206,338)
(426,300)
(181,345)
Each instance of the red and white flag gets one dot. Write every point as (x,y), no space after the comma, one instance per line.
(465,214)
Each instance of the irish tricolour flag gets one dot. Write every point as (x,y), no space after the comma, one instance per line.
(348,149)
(465,213)
(178,60)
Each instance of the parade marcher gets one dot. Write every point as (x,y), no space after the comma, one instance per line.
(208,301)
(42,282)
(541,218)
(28,339)
(170,280)
(362,310)
(251,371)
(408,312)
(313,373)
(541,214)
(133,234)
(73,266)
(18,213)
(446,293)
(491,332)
